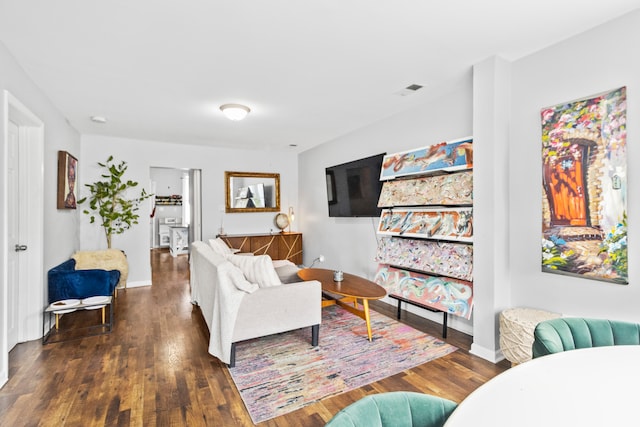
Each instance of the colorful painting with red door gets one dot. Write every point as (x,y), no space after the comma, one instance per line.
(584,181)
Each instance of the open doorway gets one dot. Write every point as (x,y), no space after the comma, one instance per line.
(175,219)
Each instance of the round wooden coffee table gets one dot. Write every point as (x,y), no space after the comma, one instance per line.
(346,292)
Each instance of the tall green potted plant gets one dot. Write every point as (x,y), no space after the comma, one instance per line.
(109,201)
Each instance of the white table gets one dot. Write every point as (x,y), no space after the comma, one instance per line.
(91,303)
(179,240)
(587,387)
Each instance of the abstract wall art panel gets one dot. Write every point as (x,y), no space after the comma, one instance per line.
(584,182)
(446,224)
(445,156)
(441,258)
(445,294)
(450,189)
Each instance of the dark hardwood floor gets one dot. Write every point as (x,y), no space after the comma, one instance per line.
(154,369)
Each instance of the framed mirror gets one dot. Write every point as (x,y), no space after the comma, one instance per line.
(252,192)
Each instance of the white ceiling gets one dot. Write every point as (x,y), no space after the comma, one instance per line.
(310,70)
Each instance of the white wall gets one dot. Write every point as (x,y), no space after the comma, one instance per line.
(60,226)
(142,155)
(168,181)
(598,60)
(350,243)
(491,252)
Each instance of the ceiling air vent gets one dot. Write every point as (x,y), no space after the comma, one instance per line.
(411,89)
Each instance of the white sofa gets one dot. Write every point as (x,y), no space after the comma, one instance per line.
(235,309)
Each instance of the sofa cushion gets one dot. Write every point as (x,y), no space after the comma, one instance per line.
(219,246)
(288,273)
(257,269)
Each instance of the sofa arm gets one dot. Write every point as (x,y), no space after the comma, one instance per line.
(278,309)
(80,284)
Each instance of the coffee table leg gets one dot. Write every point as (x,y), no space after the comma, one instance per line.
(367,318)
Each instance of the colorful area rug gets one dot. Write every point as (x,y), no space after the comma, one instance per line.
(281,373)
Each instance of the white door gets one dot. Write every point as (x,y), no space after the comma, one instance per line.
(22,282)
(13,281)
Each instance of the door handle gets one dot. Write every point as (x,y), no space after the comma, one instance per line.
(20,248)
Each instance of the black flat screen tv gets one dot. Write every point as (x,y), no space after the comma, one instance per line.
(353,188)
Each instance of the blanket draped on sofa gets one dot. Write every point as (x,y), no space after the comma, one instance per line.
(222,301)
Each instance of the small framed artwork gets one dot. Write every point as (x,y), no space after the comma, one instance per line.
(67,175)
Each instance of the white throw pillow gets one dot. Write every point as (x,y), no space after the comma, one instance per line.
(257,269)
(221,247)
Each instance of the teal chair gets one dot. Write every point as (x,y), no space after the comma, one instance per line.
(397,409)
(570,333)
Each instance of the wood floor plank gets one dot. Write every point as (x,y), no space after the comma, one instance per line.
(153,369)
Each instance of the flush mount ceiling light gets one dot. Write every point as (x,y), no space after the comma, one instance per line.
(235,112)
(98,119)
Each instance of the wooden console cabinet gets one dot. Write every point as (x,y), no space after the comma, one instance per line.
(277,246)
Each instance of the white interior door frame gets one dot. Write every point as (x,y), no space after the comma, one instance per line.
(195,199)
(31,134)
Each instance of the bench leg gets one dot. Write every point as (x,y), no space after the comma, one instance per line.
(315,333)
(445,316)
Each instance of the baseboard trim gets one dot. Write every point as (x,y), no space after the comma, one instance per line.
(487,354)
(138,284)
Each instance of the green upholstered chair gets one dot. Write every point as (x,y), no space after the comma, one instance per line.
(398,409)
(570,333)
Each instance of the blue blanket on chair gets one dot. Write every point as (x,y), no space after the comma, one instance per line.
(65,282)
